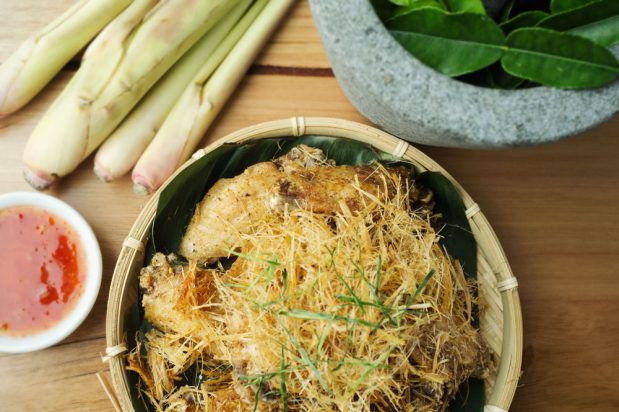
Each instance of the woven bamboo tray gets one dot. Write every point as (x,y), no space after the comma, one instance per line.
(500,317)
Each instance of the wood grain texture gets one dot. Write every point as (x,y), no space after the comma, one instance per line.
(555,209)
(296,44)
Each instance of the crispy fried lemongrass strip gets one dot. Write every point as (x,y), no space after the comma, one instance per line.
(136,364)
(205,97)
(358,311)
(40,57)
(119,153)
(168,355)
(118,68)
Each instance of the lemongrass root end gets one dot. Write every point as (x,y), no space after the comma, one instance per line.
(141,190)
(102,173)
(39,180)
(142,185)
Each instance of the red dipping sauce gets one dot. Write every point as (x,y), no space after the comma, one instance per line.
(42,270)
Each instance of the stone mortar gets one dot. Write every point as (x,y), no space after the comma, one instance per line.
(405,97)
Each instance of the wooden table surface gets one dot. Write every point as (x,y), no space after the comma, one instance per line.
(555,209)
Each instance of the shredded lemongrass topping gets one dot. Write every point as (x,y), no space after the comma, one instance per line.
(353,311)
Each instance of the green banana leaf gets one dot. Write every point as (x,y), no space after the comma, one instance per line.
(598,21)
(467,399)
(557,59)
(453,44)
(456,233)
(178,201)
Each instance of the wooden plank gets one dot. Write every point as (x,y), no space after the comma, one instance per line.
(295,44)
(21,19)
(58,379)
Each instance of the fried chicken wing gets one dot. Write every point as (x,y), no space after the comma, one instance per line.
(173,294)
(303,178)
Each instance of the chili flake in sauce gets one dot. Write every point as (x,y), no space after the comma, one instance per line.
(42,270)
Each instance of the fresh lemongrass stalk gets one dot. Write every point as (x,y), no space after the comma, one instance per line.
(42,56)
(204,98)
(53,139)
(119,153)
(121,65)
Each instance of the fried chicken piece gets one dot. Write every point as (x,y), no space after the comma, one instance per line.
(173,294)
(458,351)
(303,178)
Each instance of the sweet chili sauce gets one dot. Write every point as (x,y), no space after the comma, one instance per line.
(42,270)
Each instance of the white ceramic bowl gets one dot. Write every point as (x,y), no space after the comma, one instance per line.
(49,337)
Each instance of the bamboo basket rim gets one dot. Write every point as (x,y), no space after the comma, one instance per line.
(502,287)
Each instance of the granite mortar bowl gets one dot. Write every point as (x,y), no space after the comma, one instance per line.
(403,96)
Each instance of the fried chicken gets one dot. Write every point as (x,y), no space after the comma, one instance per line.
(303,178)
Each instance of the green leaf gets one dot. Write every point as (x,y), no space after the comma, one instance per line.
(306,359)
(354,297)
(323,336)
(369,370)
(493,77)
(408,5)
(480,78)
(503,80)
(472,6)
(558,6)
(558,59)
(452,44)
(422,285)
(384,9)
(309,315)
(417,4)
(282,386)
(598,21)
(526,19)
(506,11)
(379,267)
